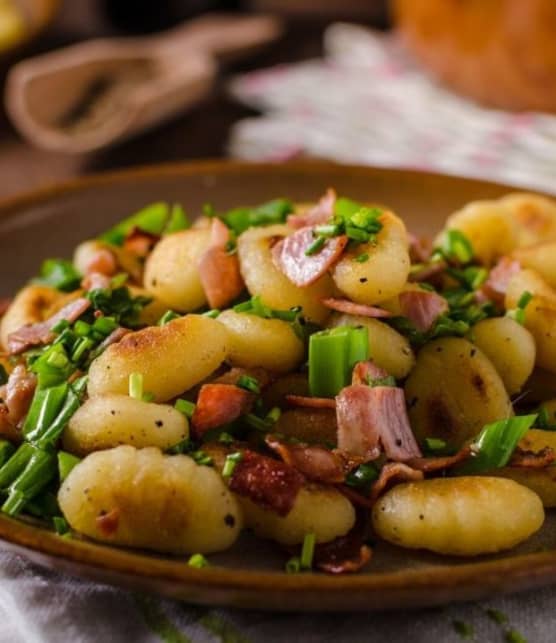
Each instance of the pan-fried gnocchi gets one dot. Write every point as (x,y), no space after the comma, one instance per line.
(107,421)
(142,498)
(464,516)
(171,358)
(295,370)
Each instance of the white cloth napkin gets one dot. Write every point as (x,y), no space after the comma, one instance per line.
(367,102)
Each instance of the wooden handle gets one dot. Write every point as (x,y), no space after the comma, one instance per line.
(220,35)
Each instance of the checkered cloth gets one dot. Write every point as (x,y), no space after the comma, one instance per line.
(367,102)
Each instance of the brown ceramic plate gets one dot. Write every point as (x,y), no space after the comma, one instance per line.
(52,221)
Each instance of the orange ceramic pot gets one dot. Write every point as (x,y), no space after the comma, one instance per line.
(500,52)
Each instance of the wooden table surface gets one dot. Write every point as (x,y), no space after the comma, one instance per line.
(200,133)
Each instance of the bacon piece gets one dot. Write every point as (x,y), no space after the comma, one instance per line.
(114,337)
(428,465)
(5,303)
(219,404)
(422,308)
(104,262)
(314,462)
(108,522)
(420,248)
(365,372)
(346,554)
(351,308)
(368,417)
(41,333)
(269,483)
(95,281)
(139,242)
(320,213)
(532,459)
(311,402)
(394,473)
(19,391)
(302,270)
(496,285)
(358,432)
(7,429)
(219,270)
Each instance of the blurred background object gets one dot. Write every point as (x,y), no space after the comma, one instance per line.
(23,20)
(90,95)
(500,52)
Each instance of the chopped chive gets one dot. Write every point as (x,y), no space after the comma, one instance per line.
(45,406)
(435,445)
(81,328)
(495,444)
(58,360)
(226,438)
(7,449)
(328,230)
(184,446)
(274,414)
(293,566)
(136,386)
(60,524)
(455,245)
(148,396)
(72,402)
(316,246)
(213,314)
(257,423)
(307,551)
(361,236)
(525,298)
(177,220)
(208,210)
(388,380)
(517,314)
(362,258)
(66,462)
(230,464)
(201,457)
(60,325)
(39,471)
(168,316)
(60,274)
(198,561)
(82,347)
(152,218)
(363,476)
(249,383)
(332,356)
(186,407)
(105,325)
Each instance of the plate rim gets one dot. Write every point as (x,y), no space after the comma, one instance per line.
(502,575)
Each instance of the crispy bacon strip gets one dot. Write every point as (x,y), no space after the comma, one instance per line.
(358,432)
(311,402)
(394,473)
(314,462)
(365,372)
(139,242)
(108,522)
(532,459)
(422,308)
(41,333)
(269,483)
(219,404)
(322,212)
(496,285)
(346,554)
(428,465)
(370,417)
(289,256)
(351,308)
(18,393)
(219,270)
